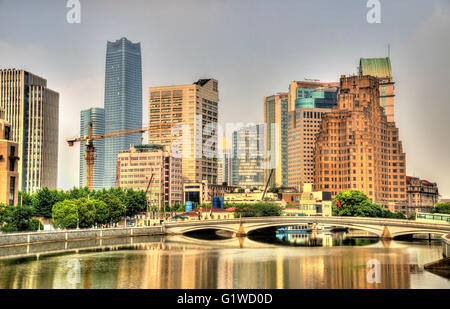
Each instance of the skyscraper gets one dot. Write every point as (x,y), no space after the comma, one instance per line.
(9,175)
(358,148)
(275,119)
(123,101)
(312,103)
(32,109)
(248,158)
(98,116)
(184,112)
(381,69)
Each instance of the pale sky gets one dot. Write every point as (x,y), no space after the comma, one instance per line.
(253,47)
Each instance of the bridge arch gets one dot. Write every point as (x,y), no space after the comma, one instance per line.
(208,227)
(256,227)
(413,232)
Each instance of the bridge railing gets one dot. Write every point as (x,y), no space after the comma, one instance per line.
(329,220)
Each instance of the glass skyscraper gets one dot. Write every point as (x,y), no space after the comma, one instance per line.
(98,115)
(123,101)
(248,160)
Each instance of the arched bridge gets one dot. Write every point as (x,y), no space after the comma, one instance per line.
(384,228)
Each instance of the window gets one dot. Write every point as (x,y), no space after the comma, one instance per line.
(12,190)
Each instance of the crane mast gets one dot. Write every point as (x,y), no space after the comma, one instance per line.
(90,148)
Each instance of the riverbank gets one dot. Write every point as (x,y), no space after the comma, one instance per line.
(17,239)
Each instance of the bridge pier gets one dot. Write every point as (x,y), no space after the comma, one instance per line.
(386,235)
(241,232)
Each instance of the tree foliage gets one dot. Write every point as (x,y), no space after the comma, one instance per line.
(256,210)
(17,219)
(356,204)
(442,208)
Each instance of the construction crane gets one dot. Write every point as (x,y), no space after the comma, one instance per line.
(267,184)
(149,190)
(90,148)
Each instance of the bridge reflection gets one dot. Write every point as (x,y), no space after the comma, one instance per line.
(186,263)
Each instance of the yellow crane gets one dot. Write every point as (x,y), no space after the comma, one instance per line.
(90,148)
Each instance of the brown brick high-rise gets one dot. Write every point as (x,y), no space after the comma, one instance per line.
(358,149)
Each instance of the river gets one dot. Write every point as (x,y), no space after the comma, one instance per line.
(332,261)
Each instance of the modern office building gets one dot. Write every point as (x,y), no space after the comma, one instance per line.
(304,94)
(303,126)
(248,157)
(422,194)
(97,115)
(185,117)
(381,68)
(136,166)
(9,166)
(32,110)
(358,149)
(123,101)
(224,163)
(275,120)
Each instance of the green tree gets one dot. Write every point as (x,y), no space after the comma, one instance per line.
(16,218)
(44,201)
(25,199)
(442,208)
(76,193)
(116,209)
(355,204)
(35,225)
(65,214)
(86,212)
(256,210)
(101,212)
(135,201)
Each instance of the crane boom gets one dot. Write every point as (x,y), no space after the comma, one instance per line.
(90,148)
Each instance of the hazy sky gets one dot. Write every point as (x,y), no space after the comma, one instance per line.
(253,47)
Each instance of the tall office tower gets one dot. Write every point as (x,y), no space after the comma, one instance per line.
(9,175)
(98,116)
(358,149)
(248,157)
(224,162)
(302,94)
(381,68)
(137,165)
(303,126)
(123,101)
(32,109)
(275,120)
(184,116)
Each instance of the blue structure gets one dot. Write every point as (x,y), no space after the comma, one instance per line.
(123,101)
(189,206)
(217,202)
(316,98)
(98,115)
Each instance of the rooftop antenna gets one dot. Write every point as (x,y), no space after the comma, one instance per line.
(389,50)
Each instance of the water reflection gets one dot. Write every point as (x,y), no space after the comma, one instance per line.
(173,264)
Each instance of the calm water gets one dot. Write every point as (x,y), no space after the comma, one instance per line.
(315,261)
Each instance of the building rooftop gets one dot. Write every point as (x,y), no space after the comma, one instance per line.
(378,67)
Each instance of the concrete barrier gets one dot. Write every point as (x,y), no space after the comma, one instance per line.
(15,239)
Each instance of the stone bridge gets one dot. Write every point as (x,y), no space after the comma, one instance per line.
(383,228)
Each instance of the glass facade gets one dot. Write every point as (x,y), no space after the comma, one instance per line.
(98,115)
(316,98)
(248,161)
(123,101)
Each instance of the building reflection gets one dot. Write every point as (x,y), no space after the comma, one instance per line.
(186,266)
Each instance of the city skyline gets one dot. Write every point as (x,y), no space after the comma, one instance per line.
(78,73)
